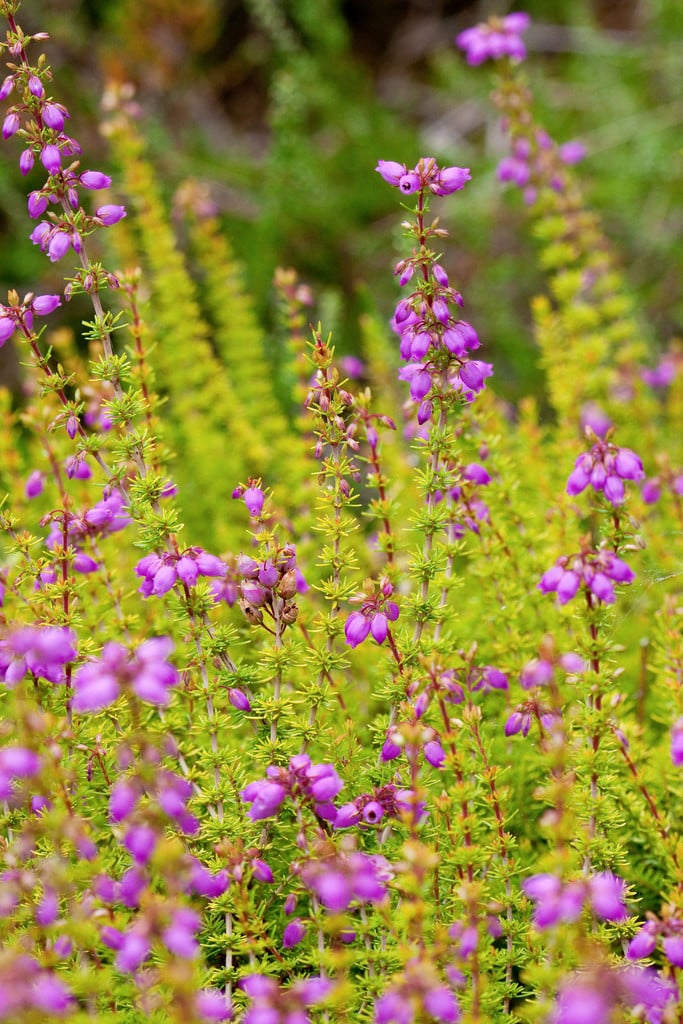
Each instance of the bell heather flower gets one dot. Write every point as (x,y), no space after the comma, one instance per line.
(347,876)
(375,614)
(434,340)
(294,932)
(605,468)
(254,497)
(41,650)
(146,672)
(160,572)
(597,571)
(302,781)
(557,901)
(677,742)
(34,484)
(495,38)
(272,1004)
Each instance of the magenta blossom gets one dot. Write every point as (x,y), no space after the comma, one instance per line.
(425,175)
(604,468)
(374,616)
(146,672)
(596,571)
(495,38)
(303,781)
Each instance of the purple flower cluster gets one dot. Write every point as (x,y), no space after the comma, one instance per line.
(16,763)
(595,995)
(146,672)
(40,650)
(315,785)
(495,38)
(668,931)
(605,467)
(376,612)
(434,340)
(557,901)
(538,161)
(416,994)
(27,988)
(664,373)
(169,791)
(523,715)
(20,314)
(161,572)
(73,530)
(270,585)
(425,175)
(271,1004)
(540,671)
(596,570)
(39,121)
(470,509)
(671,479)
(370,808)
(345,877)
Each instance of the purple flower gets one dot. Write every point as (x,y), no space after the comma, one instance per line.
(554,901)
(51,158)
(42,650)
(677,742)
(8,326)
(146,672)
(606,892)
(50,995)
(376,611)
(643,943)
(94,180)
(53,115)
(140,841)
(212,1005)
(451,179)
(265,798)
(393,1008)
(580,1003)
(673,949)
(19,762)
(441,1004)
(499,37)
(110,214)
(179,936)
(294,932)
(34,484)
(11,124)
(133,952)
(605,468)
(122,800)
(43,305)
(596,570)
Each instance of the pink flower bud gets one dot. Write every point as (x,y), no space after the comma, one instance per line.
(94,180)
(10,126)
(26,161)
(51,159)
(110,214)
(53,116)
(34,484)
(43,305)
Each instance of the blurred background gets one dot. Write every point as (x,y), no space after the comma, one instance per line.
(280,109)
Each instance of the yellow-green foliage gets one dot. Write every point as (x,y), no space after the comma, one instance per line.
(207,425)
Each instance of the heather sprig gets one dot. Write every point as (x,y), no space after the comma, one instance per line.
(308,712)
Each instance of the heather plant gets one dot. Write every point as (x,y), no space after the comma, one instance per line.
(355,698)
